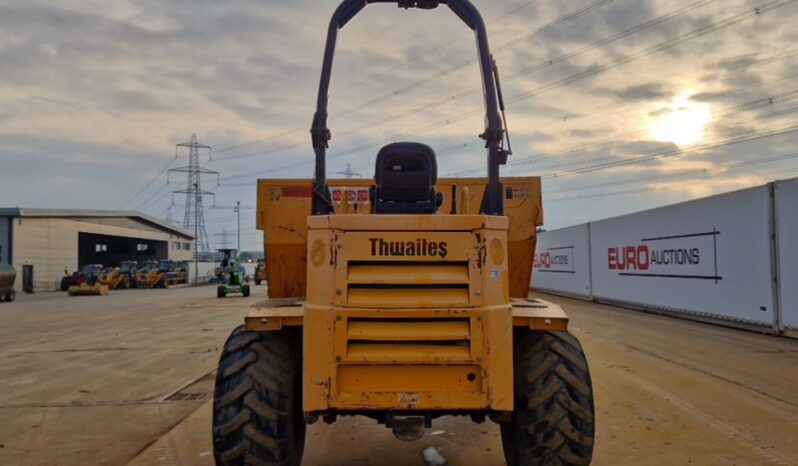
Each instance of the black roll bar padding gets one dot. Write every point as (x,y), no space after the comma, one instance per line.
(493,200)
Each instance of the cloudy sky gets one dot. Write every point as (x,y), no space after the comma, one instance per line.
(620,105)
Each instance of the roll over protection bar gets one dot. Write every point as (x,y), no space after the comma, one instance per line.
(493,200)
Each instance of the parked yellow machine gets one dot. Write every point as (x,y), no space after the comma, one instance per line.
(84,289)
(147,275)
(162,274)
(114,278)
(403,298)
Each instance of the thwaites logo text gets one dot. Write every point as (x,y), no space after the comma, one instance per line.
(559,259)
(687,256)
(418,248)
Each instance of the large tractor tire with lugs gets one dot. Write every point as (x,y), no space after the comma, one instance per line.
(257,406)
(553,422)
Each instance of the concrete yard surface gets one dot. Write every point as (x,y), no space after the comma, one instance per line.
(95,379)
(127,379)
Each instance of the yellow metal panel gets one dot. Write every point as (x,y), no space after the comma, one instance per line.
(337,242)
(395,352)
(409,379)
(319,357)
(432,400)
(537,314)
(409,274)
(404,223)
(284,205)
(412,330)
(274,314)
(408,297)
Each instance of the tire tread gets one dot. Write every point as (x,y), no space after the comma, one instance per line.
(553,423)
(255,401)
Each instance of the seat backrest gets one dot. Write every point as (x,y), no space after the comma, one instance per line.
(406,174)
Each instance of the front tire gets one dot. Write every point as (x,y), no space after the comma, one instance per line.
(245,291)
(554,421)
(220,291)
(257,408)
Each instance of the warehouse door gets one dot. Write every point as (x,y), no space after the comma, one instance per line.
(27,278)
(111,250)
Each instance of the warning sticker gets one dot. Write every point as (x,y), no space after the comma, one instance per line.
(518,192)
(353,195)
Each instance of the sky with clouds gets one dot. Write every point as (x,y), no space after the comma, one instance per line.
(620,105)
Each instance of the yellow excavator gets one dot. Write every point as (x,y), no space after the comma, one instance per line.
(403,298)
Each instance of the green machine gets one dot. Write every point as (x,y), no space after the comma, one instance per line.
(231,275)
(7,278)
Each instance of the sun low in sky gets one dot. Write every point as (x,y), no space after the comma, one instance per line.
(681,122)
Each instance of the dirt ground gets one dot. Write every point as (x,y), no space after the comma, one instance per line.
(127,379)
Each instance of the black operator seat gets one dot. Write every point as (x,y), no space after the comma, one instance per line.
(406,174)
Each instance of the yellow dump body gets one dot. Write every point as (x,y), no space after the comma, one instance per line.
(284,205)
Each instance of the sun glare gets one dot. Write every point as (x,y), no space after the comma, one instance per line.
(682,123)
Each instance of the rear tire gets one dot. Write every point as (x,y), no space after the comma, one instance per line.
(245,291)
(257,407)
(220,292)
(553,422)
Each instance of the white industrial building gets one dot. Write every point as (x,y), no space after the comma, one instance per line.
(42,243)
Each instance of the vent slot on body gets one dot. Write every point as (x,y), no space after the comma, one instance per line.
(382,340)
(408,284)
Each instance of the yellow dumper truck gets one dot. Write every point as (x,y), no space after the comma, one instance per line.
(403,298)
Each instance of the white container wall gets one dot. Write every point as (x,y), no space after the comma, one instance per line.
(562,261)
(786,195)
(710,258)
(206,272)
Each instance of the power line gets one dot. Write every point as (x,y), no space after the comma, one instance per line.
(713,27)
(426,80)
(623,101)
(681,173)
(745,136)
(642,190)
(370,78)
(149,200)
(548,27)
(149,183)
(756,104)
(747,106)
(593,71)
